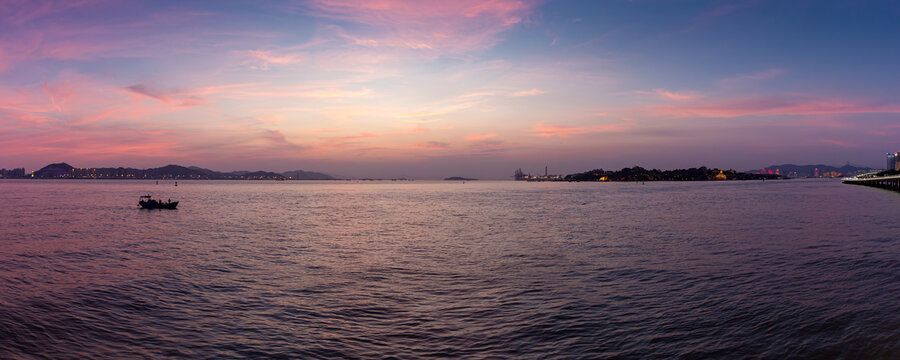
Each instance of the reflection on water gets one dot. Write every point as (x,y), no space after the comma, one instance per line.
(433,269)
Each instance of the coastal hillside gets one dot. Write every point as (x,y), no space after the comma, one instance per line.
(64,170)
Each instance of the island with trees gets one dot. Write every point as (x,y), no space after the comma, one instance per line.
(638,173)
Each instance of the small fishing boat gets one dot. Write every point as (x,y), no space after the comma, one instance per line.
(147,202)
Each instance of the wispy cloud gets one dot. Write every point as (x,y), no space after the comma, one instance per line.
(720,10)
(22,11)
(784,105)
(415,130)
(448,106)
(734,81)
(343,139)
(487,146)
(170,98)
(446,26)
(570,131)
(432,145)
(265,90)
(670,95)
(480,136)
(264,60)
(839,143)
(479,94)
(532,92)
(723,9)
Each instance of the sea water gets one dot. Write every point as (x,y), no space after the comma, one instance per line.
(481,269)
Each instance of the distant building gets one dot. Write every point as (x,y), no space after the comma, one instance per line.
(12,173)
(892,163)
(522,176)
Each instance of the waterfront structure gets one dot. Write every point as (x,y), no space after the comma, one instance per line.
(12,173)
(892,163)
(519,175)
(522,176)
(891,182)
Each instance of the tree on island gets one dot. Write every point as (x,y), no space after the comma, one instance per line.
(638,173)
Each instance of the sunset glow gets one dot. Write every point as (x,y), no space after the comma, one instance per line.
(429,89)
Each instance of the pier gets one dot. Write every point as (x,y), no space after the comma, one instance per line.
(891,182)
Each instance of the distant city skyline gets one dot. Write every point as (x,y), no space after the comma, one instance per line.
(430,89)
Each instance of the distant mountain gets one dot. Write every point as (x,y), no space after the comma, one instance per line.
(306,175)
(174,172)
(58,170)
(244,174)
(792,170)
(207,172)
(458,178)
(260,175)
(63,170)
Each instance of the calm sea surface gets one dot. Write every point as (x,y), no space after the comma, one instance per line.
(776,269)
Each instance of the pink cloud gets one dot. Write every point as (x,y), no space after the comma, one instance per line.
(265,90)
(487,146)
(441,109)
(670,95)
(22,11)
(415,130)
(85,119)
(454,26)
(5,60)
(24,120)
(343,139)
(277,139)
(477,94)
(223,89)
(839,143)
(532,92)
(480,136)
(676,96)
(50,99)
(570,131)
(786,105)
(432,145)
(754,77)
(334,93)
(175,99)
(264,60)
(42,30)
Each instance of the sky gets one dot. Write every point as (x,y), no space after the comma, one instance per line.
(432,88)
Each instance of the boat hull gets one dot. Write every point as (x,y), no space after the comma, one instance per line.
(157,205)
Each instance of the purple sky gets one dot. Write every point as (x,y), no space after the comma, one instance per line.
(434,88)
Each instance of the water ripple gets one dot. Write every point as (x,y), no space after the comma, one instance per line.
(423,270)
